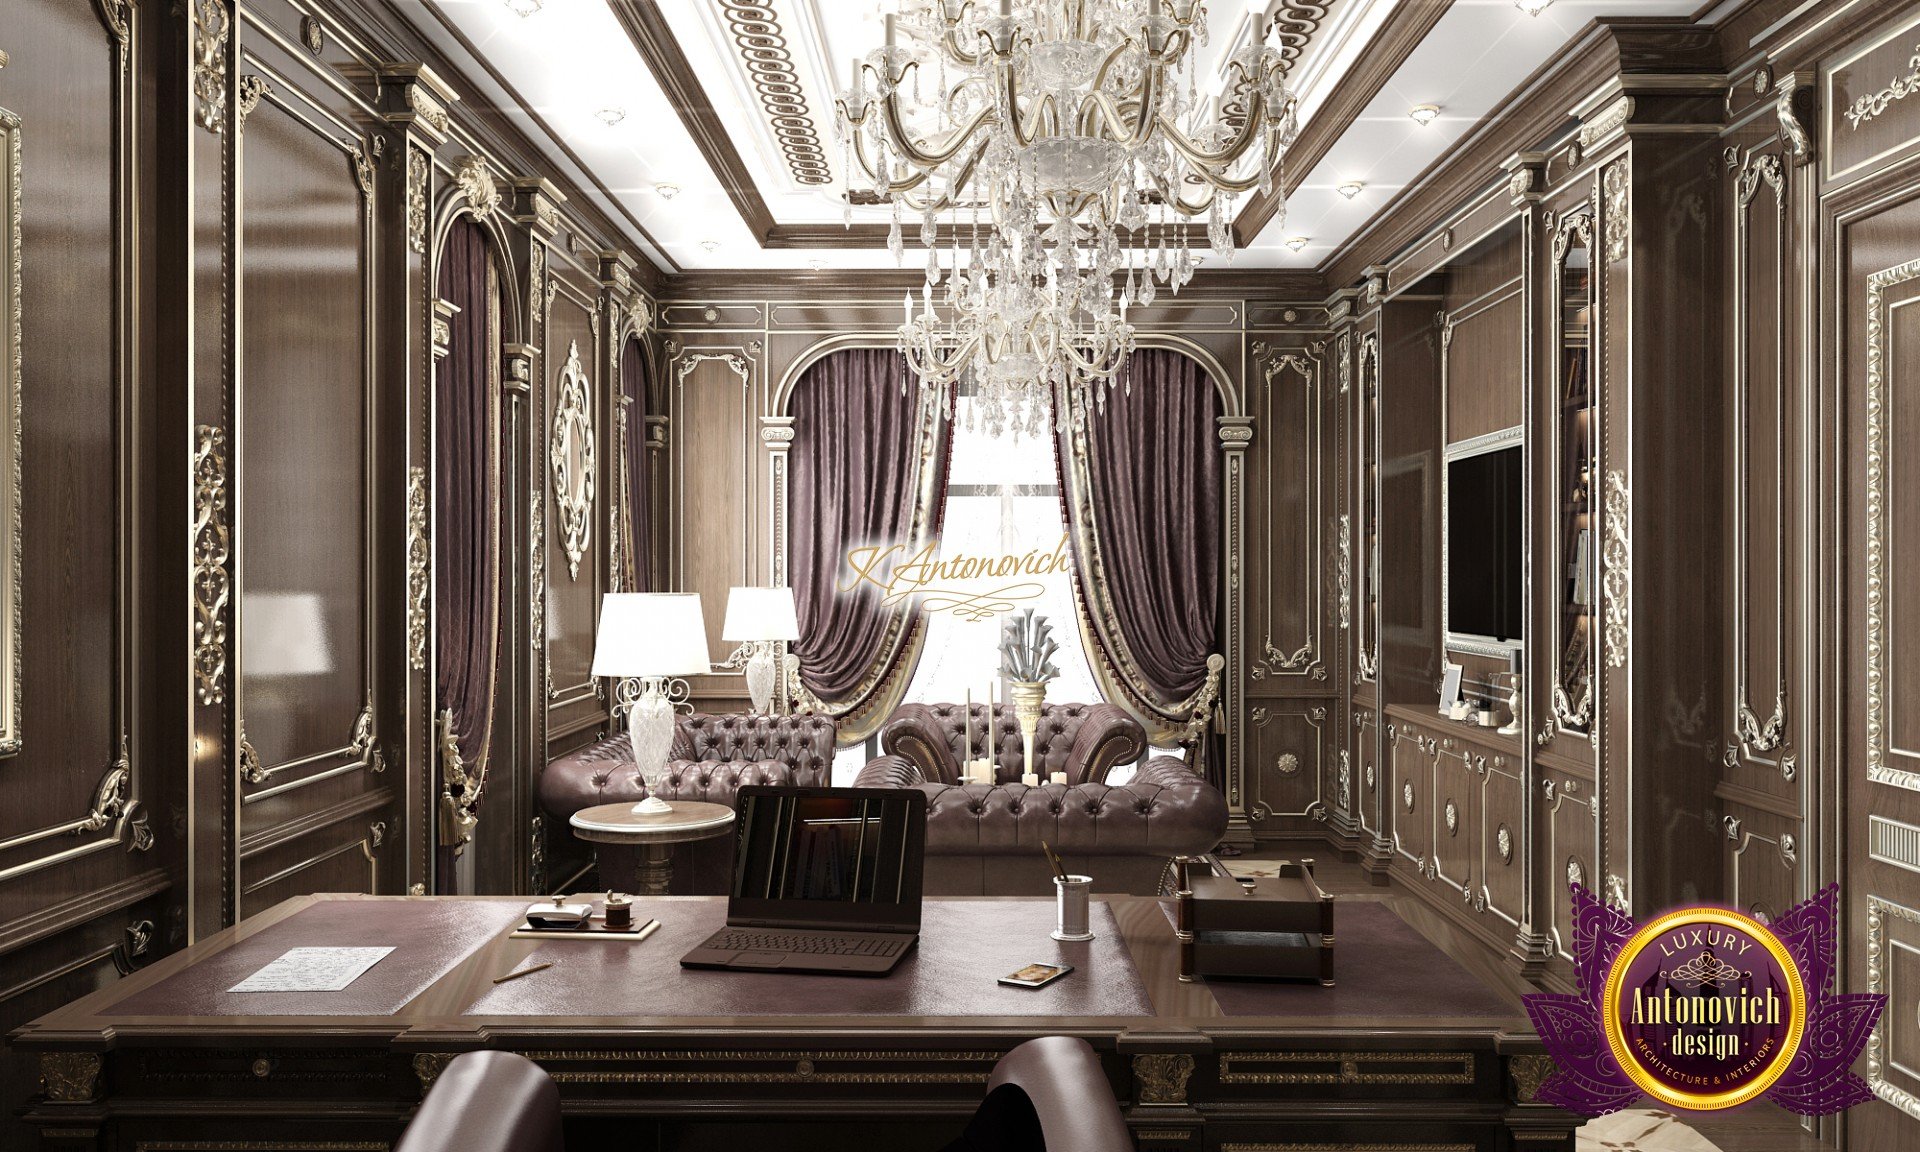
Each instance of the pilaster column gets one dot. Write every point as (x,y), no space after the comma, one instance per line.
(1236,434)
(414,103)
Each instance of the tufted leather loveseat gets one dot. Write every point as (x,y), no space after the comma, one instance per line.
(1086,741)
(712,758)
(984,839)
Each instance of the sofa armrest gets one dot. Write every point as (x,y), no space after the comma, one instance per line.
(889,772)
(1169,772)
(1108,738)
(914,733)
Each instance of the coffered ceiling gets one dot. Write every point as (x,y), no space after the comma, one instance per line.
(706,126)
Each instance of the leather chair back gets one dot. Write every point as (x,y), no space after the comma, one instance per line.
(487,1102)
(804,743)
(1054,738)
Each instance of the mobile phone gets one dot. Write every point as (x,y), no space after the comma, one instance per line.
(1036,975)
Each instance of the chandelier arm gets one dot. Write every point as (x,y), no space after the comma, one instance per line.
(962,176)
(926,157)
(1121,131)
(885,184)
(1225,157)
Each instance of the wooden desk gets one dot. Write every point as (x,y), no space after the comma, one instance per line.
(1373,1063)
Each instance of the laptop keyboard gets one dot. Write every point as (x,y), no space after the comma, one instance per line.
(748,940)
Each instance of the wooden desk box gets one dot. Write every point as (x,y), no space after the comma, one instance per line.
(1275,927)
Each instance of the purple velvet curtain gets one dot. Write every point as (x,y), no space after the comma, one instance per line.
(1153,472)
(856,475)
(633,388)
(467,526)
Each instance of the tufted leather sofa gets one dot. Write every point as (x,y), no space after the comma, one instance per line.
(984,839)
(1086,741)
(712,758)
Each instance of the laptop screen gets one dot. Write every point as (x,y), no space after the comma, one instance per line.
(829,857)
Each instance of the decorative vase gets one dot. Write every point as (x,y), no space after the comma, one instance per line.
(1028,696)
(1512,726)
(760,676)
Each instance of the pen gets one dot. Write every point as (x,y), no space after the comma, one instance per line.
(1053,860)
(520,973)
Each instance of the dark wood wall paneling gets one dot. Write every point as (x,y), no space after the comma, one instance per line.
(228,505)
(1755,236)
(91,805)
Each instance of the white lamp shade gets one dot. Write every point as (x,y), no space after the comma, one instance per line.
(760,614)
(283,634)
(651,634)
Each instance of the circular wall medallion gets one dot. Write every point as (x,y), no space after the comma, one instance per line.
(1503,840)
(1406,795)
(1704,1008)
(1452,816)
(1288,764)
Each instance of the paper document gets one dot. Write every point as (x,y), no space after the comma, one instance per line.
(312,970)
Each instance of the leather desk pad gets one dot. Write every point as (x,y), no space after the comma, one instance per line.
(965,946)
(428,938)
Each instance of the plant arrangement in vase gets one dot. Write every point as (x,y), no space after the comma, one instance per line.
(1026,659)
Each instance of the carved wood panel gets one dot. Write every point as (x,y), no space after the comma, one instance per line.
(1409,799)
(575,562)
(1287,741)
(1287,520)
(714,452)
(1569,844)
(303,472)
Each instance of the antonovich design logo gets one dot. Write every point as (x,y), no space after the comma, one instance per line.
(971,586)
(1704,1008)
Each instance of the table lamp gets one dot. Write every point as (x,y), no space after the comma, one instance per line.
(644,638)
(760,616)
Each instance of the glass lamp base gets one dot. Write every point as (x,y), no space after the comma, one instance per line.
(651,806)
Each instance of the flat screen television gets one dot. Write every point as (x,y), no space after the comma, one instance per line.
(1484,543)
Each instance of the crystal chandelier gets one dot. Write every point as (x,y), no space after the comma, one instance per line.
(1067,143)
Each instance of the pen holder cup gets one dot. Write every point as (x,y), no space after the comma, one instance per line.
(1073,918)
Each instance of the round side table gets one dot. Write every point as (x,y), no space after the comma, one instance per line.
(654,835)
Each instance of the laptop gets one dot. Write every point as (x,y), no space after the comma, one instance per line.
(825,881)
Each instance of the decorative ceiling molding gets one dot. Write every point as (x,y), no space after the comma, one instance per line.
(647,28)
(1294,23)
(762,45)
(1405,28)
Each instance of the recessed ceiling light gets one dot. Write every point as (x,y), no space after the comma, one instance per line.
(666,191)
(710,245)
(610,116)
(524,7)
(1532,7)
(1424,114)
(1297,243)
(1350,189)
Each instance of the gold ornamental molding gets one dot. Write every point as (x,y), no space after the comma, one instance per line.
(365,153)
(427,1067)
(361,752)
(570,451)
(537,574)
(1617,584)
(1874,103)
(419,188)
(1799,143)
(253,88)
(1343,572)
(212,583)
(1878,974)
(805,1066)
(429,109)
(70,1077)
(1606,122)
(1346,1068)
(460,797)
(419,567)
(769,63)
(1617,197)
(475,181)
(1162,1076)
(12,381)
(1879,771)
(211,27)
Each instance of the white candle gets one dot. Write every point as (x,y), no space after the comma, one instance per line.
(1006,7)
(1059,777)
(853,74)
(906,308)
(1030,779)
(890,19)
(966,751)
